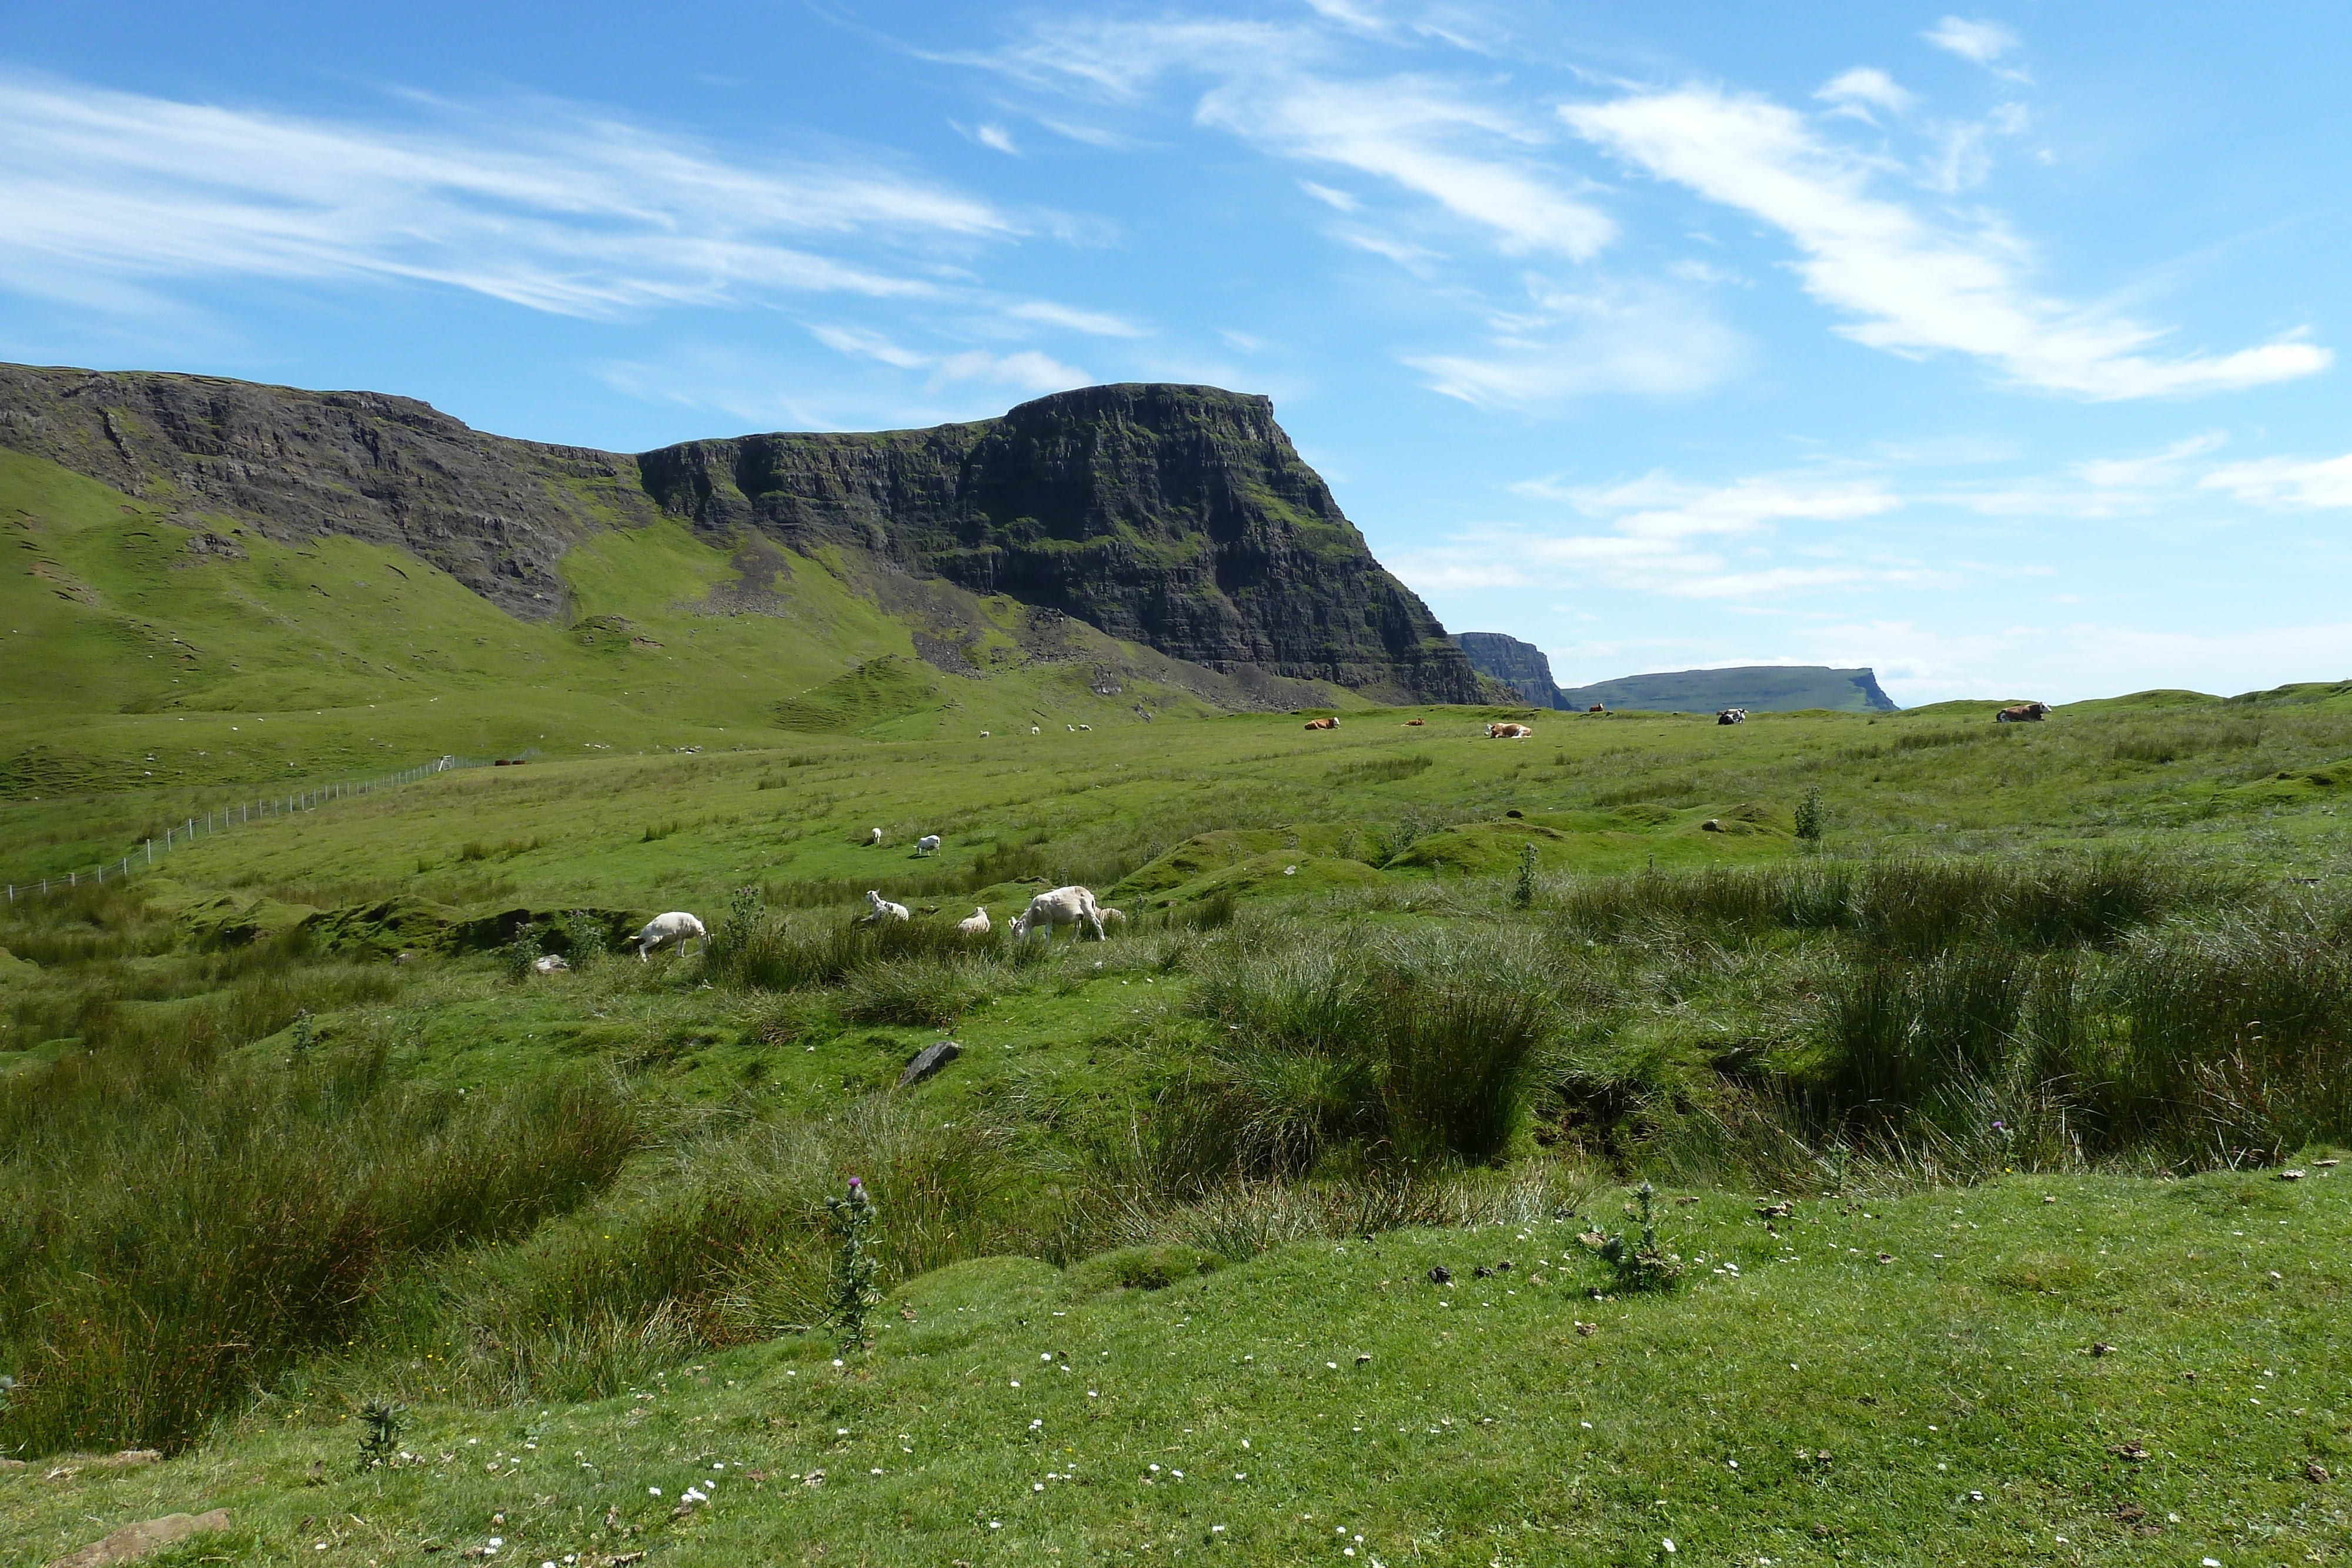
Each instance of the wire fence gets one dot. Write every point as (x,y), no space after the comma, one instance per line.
(150,852)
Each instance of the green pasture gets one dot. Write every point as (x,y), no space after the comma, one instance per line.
(2041,1015)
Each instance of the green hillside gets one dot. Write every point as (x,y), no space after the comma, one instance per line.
(1759,688)
(143,655)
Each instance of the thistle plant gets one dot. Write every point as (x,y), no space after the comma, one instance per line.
(1812,817)
(1523,892)
(746,915)
(854,1293)
(1645,1265)
(517,956)
(379,1432)
(306,1031)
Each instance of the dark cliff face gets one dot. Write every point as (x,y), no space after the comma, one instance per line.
(495,514)
(1179,517)
(1519,665)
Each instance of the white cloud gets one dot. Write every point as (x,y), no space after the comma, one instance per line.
(552,207)
(1244,341)
(1668,536)
(1622,339)
(2165,467)
(1422,136)
(1325,193)
(1859,91)
(996,136)
(1916,287)
(1461,151)
(2286,482)
(1025,370)
(1979,42)
(1096,323)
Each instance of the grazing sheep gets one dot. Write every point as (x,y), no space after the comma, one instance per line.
(676,928)
(976,924)
(1111,916)
(550,964)
(928,844)
(1071,906)
(883,909)
(876,838)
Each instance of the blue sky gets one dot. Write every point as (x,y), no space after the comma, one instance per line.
(1995,348)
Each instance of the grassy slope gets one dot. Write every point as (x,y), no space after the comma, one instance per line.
(1485,1427)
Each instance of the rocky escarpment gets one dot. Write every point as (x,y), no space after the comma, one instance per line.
(495,514)
(1518,665)
(1181,518)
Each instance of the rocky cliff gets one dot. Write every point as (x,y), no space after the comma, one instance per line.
(1179,517)
(1759,688)
(1518,665)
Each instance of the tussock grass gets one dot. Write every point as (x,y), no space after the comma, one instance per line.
(170,1234)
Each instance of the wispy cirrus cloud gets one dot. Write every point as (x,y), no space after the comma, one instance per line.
(1674,538)
(1283,87)
(1979,42)
(1025,369)
(549,206)
(1914,285)
(1574,342)
(2288,483)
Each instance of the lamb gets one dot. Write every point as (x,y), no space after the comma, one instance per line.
(977,925)
(676,928)
(928,844)
(877,838)
(550,964)
(1072,907)
(883,909)
(1111,916)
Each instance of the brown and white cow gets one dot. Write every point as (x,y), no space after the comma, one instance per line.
(2023,713)
(1598,708)
(1732,715)
(1322,724)
(1509,732)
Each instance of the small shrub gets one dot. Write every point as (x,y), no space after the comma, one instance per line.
(656,831)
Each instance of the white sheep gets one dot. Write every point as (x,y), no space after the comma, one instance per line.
(1071,906)
(678,927)
(551,964)
(977,924)
(1035,730)
(983,735)
(1071,727)
(1087,728)
(1111,916)
(883,909)
(877,837)
(928,844)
